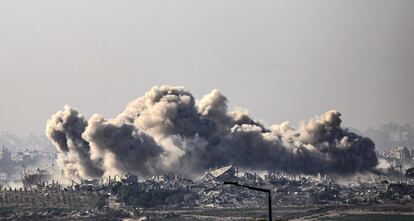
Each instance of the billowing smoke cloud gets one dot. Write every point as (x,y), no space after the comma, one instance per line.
(167,130)
(64,129)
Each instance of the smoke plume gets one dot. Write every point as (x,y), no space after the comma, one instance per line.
(168,131)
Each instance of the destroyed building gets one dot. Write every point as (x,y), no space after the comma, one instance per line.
(38,177)
(399,155)
(221,174)
(174,191)
(130,179)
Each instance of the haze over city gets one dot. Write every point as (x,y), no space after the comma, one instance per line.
(207,110)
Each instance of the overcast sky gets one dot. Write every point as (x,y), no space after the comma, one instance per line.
(281,60)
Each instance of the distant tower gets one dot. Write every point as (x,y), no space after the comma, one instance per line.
(5,154)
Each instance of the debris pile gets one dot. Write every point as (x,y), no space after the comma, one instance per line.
(128,196)
(209,192)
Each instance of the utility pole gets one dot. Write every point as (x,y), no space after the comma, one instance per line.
(256,189)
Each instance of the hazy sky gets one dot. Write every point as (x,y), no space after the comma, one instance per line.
(281,60)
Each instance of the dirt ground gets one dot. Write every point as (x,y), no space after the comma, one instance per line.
(77,205)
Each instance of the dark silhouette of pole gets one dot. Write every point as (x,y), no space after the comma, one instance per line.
(270,206)
(256,189)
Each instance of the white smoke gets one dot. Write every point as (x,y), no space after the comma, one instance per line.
(167,130)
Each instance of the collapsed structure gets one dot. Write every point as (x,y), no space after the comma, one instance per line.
(38,177)
(168,131)
(173,196)
(174,191)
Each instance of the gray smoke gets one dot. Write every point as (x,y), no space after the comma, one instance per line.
(167,130)
(65,130)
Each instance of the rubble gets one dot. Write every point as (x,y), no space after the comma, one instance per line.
(175,191)
(126,196)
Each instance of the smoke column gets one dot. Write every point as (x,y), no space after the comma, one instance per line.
(168,131)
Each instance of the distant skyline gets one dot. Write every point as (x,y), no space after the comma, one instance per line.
(280,60)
